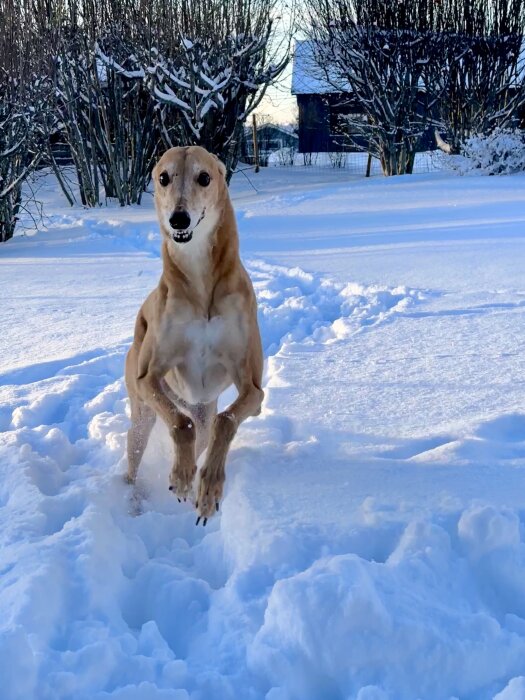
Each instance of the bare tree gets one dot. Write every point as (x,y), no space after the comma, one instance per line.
(107,114)
(19,154)
(24,111)
(414,64)
(382,54)
(219,71)
(99,52)
(128,116)
(184,73)
(482,79)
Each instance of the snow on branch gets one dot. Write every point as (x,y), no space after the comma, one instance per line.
(213,82)
(110,62)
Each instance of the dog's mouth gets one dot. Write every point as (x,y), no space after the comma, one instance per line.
(182,236)
(185,235)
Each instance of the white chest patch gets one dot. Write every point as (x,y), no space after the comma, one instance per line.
(202,374)
(205,337)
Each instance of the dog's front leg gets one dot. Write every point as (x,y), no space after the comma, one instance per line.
(213,473)
(184,467)
(181,428)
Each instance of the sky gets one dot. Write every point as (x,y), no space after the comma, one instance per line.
(279,104)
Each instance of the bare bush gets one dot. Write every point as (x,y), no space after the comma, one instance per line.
(413,65)
(337,159)
(108,115)
(481,81)
(309,158)
(217,75)
(383,56)
(286,156)
(24,112)
(130,77)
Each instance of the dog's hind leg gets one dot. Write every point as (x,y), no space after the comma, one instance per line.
(142,422)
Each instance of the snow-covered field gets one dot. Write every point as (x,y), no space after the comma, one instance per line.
(371,544)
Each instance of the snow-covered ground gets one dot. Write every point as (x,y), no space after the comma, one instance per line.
(371,544)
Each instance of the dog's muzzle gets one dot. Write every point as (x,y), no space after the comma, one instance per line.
(180,221)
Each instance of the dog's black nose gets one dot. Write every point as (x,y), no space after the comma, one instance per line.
(180,220)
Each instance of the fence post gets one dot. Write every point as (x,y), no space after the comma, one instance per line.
(255,144)
(368,165)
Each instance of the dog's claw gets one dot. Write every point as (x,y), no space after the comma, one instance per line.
(198,520)
(204,522)
(217,507)
(180,482)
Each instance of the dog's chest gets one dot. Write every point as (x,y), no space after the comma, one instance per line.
(204,340)
(201,370)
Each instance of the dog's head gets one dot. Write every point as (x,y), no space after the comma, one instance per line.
(190,187)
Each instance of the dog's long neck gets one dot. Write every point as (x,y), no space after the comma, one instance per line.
(194,269)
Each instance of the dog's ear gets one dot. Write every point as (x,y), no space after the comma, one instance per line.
(221,165)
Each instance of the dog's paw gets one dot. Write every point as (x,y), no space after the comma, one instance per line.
(209,494)
(128,479)
(181,482)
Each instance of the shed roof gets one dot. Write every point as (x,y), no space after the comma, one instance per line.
(283,128)
(309,78)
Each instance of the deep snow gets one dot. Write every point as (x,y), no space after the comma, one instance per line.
(371,541)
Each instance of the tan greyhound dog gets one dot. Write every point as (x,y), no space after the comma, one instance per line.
(196,333)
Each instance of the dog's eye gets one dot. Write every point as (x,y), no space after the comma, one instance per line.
(164,179)
(204,179)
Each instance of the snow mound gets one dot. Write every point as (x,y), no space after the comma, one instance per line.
(294,304)
(417,621)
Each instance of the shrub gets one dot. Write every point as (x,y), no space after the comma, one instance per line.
(501,152)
